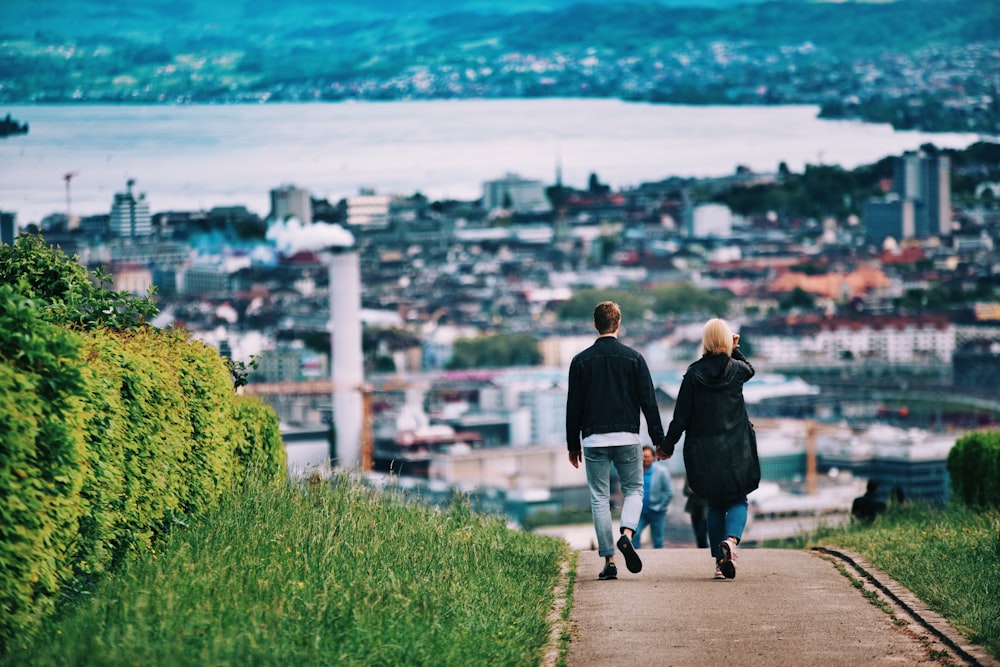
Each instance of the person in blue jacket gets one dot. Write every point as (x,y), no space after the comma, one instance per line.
(720,446)
(656,495)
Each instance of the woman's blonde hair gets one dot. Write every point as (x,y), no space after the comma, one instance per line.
(717,337)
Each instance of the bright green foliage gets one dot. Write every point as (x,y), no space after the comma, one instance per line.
(974,466)
(580,306)
(41,434)
(662,300)
(323,573)
(66,293)
(166,438)
(949,557)
(111,432)
(495,352)
(681,298)
(259,449)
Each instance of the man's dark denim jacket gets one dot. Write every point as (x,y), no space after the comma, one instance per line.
(609,383)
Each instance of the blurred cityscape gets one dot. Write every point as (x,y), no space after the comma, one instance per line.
(876,338)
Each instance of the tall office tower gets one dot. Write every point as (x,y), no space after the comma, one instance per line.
(925,180)
(889,218)
(8,227)
(516,194)
(130,213)
(290,201)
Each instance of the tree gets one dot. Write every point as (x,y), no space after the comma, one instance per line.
(679,298)
(798,298)
(580,306)
(495,352)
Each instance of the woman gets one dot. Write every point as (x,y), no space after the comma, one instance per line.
(720,448)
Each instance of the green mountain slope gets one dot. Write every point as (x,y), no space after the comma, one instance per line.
(914,63)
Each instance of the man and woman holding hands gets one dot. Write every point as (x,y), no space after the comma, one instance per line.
(610,386)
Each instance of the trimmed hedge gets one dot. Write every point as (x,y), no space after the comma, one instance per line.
(109,439)
(41,460)
(974,466)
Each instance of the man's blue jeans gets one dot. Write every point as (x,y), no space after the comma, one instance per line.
(726,519)
(657,523)
(628,463)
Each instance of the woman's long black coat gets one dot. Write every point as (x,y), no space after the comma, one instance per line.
(720,448)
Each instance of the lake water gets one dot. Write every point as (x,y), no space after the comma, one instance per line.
(197,157)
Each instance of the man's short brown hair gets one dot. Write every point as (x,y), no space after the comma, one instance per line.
(607,317)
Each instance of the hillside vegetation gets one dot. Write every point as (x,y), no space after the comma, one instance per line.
(947,557)
(112,433)
(912,63)
(328,573)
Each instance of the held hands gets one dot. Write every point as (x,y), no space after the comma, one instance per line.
(664,451)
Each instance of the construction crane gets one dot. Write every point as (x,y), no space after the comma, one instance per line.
(68,176)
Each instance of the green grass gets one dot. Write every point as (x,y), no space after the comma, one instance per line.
(323,574)
(947,557)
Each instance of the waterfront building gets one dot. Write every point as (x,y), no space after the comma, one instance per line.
(516,194)
(289,201)
(368,211)
(130,215)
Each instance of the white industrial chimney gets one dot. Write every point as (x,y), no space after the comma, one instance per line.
(347,369)
(336,246)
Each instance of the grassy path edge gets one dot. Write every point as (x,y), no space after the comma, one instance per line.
(903,599)
(562,604)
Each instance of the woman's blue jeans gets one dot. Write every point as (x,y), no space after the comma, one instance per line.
(628,463)
(725,519)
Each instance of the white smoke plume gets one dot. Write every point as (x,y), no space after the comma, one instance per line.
(291,236)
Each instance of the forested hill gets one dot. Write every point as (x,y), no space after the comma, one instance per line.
(438,26)
(912,61)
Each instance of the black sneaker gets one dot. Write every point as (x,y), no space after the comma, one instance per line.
(610,571)
(632,561)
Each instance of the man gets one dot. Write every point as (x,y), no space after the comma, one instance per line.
(609,385)
(656,495)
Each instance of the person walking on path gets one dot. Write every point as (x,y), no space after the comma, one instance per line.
(656,495)
(609,385)
(865,508)
(696,506)
(720,446)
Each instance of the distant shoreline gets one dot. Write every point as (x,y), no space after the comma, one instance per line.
(821,113)
(198,156)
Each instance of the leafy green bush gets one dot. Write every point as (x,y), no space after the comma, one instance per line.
(166,438)
(41,471)
(111,432)
(259,449)
(974,466)
(66,293)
